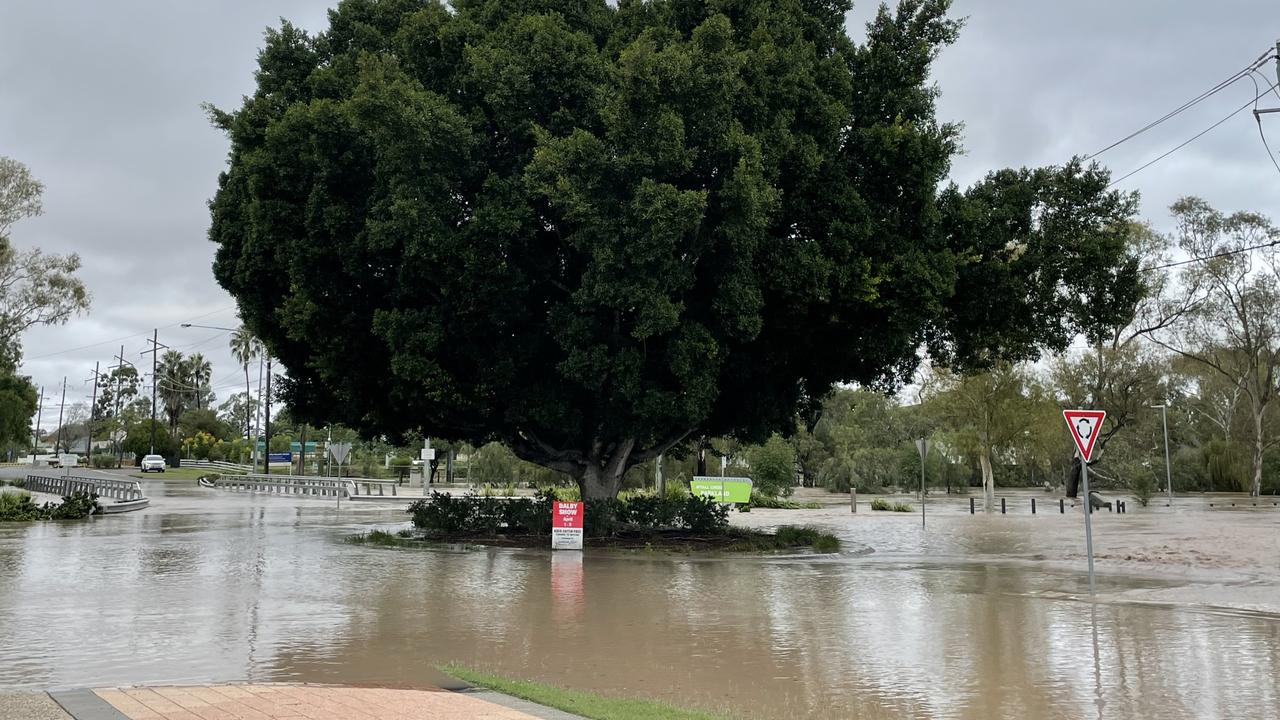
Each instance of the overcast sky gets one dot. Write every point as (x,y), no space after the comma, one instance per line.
(102,101)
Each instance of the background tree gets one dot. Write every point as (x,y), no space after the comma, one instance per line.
(35,288)
(138,440)
(18,401)
(200,372)
(987,414)
(773,467)
(662,220)
(1233,326)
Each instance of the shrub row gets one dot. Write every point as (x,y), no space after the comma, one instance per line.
(19,506)
(450,515)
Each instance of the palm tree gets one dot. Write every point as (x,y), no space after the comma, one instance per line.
(171,384)
(245,347)
(200,372)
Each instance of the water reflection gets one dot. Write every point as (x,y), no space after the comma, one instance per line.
(218,588)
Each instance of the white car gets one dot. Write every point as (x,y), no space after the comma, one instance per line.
(152,462)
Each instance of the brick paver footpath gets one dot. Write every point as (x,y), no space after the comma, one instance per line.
(297,702)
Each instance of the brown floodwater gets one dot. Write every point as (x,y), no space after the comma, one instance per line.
(210,587)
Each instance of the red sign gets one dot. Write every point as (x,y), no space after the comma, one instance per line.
(1085,426)
(567,515)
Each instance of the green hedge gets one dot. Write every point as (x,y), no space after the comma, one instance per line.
(450,515)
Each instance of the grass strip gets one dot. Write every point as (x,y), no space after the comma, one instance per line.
(586,704)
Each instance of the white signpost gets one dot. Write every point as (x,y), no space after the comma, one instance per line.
(1084,426)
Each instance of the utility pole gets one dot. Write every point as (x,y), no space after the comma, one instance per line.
(93,411)
(155,380)
(1168,471)
(115,439)
(36,443)
(57,443)
(266,425)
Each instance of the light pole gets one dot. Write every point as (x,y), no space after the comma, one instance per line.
(1168,471)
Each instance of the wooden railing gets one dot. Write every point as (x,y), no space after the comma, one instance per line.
(64,485)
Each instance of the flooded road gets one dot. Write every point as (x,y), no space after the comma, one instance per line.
(208,587)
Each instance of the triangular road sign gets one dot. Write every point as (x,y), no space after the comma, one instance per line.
(1084,425)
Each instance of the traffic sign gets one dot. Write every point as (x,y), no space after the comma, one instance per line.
(566,525)
(1085,425)
(339,451)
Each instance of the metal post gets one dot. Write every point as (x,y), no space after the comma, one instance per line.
(155,380)
(93,410)
(922,490)
(1033,506)
(1088,512)
(1062,506)
(970,506)
(853,499)
(35,443)
(1002,506)
(266,426)
(58,441)
(1168,471)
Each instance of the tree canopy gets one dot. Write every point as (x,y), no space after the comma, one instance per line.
(592,231)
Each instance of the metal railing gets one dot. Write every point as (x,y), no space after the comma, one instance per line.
(370,485)
(285,485)
(217,464)
(64,485)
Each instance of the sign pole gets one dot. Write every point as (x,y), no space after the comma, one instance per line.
(1085,426)
(1088,512)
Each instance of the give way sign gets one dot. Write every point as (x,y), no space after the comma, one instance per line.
(1084,426)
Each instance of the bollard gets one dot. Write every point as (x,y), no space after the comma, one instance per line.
(970,506)
(1001,506)
(1062,506)
(1033,506)
(853,500)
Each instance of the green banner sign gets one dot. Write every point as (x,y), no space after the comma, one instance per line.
(725,490)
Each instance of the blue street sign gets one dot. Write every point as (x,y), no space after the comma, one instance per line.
(283,457)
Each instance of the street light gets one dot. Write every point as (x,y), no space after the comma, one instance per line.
(1168,472)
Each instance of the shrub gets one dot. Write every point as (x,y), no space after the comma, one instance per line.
(808,537)
(773,503)
(450,515)
(18,506)
(882,504)
(103,460)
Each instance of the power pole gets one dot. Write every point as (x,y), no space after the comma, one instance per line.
(61,407)
(115,439)
(36,442)
(93,411)
(155,380)
(266,425)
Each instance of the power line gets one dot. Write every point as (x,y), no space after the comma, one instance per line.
(126,337)
(1231,80)
(1226,253)
(1187,142)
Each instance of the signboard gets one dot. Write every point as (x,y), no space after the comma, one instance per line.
(339,452)
(428,454)
(1084,426)
(284,457)
(566,525)
(723,490)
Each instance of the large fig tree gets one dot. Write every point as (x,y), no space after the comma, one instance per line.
(592,231)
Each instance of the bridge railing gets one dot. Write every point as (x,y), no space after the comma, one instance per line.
(65,485)
(217,465)
(286,485)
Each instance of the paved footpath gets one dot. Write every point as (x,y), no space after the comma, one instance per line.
(272,702)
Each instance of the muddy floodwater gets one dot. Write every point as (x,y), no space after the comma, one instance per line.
(972,617)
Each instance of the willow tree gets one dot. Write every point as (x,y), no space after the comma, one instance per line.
(592,231)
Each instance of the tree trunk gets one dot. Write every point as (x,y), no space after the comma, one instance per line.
(1073,480)
(988,481)
(1259,448)
(600,476)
